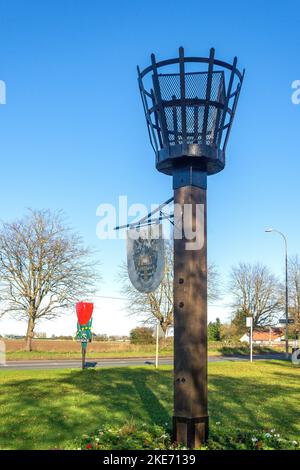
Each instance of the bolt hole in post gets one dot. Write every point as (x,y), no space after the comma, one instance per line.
(189,105)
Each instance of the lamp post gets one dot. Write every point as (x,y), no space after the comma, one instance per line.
(269,230)
(189,110)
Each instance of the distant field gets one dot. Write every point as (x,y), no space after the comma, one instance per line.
(51,409)
(68,349)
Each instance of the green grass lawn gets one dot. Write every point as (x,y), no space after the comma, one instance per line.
(50,409)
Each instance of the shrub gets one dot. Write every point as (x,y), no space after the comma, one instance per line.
(214,330)
(141,335)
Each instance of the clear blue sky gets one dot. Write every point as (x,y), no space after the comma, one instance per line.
(73,133)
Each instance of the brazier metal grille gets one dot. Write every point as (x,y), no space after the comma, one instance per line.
(193,111)
(189,113)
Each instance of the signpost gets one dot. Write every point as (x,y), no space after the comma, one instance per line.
(249,324)
(189,105)
(84,312)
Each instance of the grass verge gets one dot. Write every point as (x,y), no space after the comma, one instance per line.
(214,349)
(52,409)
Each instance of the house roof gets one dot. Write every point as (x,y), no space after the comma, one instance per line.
(265,335)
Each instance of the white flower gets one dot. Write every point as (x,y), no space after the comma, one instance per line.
(295,443)
(254,439)
(218,423)
(273,430)
(267,435)
(97,439)
(277,435)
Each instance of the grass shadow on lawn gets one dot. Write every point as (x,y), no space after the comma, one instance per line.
(267,399)
(47,409)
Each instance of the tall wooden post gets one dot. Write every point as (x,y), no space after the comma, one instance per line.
(190,421)
(189,115)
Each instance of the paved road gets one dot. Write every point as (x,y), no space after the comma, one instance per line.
(76,364)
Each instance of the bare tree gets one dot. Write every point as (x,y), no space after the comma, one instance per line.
(256,293)
(44,268)
(214,285)
(294,289)
(158,305)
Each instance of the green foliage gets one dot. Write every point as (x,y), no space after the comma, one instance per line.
(230,333)
(239,321)
(214,330)
(142,335)
(131,435)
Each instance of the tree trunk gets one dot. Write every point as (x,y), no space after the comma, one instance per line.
(29,334)
(164,328)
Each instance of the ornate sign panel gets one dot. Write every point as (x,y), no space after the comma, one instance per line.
(146,257)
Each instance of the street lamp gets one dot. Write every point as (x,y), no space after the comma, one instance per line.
(269,230)
(189,105)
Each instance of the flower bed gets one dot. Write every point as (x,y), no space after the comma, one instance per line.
(134,436)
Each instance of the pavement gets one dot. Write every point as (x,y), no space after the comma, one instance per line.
(121,362)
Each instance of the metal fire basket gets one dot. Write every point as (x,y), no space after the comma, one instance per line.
(189,110)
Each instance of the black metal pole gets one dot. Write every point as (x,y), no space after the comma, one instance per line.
(286,302)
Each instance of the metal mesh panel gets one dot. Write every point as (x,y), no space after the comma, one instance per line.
(195,89)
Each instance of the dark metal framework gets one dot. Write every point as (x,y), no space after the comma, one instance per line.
(149,220)
(189,113)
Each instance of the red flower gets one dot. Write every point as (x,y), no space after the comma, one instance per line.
(89,446)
